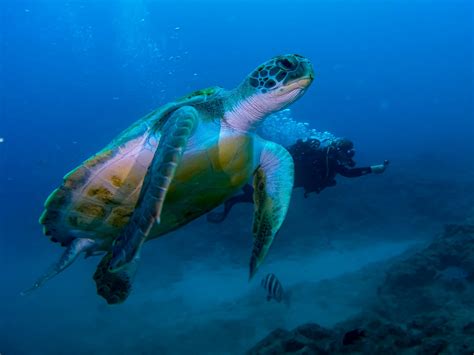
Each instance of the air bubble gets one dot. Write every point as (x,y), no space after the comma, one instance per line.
(281,128)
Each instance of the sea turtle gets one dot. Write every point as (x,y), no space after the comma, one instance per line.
(172,166)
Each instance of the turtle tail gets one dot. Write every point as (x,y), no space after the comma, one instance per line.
(71,253)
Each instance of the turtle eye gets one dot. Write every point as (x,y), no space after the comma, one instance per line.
(286,64)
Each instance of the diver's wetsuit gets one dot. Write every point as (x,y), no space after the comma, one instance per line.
(315,169)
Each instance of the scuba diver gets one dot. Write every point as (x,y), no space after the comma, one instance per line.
(316,167)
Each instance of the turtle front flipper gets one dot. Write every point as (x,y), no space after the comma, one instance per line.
(273,184)
(77,246)
(174,137)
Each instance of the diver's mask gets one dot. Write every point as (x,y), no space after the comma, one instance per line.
(350,153)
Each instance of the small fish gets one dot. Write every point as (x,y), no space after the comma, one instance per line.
(274,289)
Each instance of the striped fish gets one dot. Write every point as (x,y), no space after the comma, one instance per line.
(273,288)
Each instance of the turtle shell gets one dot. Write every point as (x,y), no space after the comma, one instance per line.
(96,199)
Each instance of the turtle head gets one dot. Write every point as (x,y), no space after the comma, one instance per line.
(271,87)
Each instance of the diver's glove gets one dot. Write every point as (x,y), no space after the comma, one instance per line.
(379,169)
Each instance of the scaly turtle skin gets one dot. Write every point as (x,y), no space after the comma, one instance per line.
(172,166)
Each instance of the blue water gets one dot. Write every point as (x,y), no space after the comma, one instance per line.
(394,76)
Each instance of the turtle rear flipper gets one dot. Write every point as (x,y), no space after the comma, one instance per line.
(76,247)
(174,137)
(114,287)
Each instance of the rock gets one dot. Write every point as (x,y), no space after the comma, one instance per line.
(353,336)
(271,344)
(452,230)
(314,332)
(430,325)
(432,347)
(424,306)
(306,339)
(468,328)
(424,282)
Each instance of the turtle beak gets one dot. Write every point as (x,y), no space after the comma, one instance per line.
(298,85)
(303,82)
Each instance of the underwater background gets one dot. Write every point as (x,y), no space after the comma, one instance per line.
(396,77)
